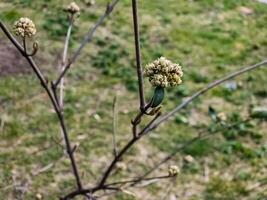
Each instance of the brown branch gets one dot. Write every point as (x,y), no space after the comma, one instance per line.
(204,90)
(144,131)
(136,136)
(115,160)
(188,143)
(86,40)
(45,85)
(139,69)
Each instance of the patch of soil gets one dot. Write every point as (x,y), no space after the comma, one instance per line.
(11,61)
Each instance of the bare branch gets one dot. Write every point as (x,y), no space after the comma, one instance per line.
(115,160)
(86,40)
(137,180)
(45,85)
(204,90)
(186,144)
(144,131)
(138,54)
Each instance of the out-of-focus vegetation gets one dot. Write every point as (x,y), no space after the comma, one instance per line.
(209,38)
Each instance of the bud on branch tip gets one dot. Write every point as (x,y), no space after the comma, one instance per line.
(24,27)
(73,8)
(174,170)
(163,73)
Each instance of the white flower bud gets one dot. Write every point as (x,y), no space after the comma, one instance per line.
(221,116)
(73,8)
(24,27)
(163,73)
(174,170)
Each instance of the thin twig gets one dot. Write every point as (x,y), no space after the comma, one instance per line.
(45,85)
(204,90)
(137,180)
(139,69)
(186,144)
(137,120)
(64,59)
(60,99)
(136,137)
(54,90)
(115,160)
(144,131)
(86,40)
(114,132)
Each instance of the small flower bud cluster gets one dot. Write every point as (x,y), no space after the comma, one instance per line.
(164,73)
(174,170)
(90,2)
(73,8)
(24,27)
(221,117)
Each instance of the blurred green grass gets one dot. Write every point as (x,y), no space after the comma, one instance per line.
(208,38)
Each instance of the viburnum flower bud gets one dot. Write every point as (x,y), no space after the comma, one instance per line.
(174,170)
(24,27)
(163,73)
(90,2)
(73,8)
(221,116)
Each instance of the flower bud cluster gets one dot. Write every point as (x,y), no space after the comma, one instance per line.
(24,27)
(73,8)
(163,73)
(174,170)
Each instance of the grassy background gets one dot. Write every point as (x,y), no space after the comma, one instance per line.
(209,38)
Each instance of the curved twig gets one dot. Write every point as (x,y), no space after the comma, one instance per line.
(34,48)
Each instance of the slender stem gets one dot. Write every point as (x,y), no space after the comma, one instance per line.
(139,69)
(60,99)
(137,180)
(44,83)
(115,160)
(204,90)
(135,138)
(137,120)
(64,58)
(86,40)
(186,144)
(144,131)
(54,90)
(82,192)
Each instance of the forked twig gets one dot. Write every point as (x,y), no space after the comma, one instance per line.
(45,85)
(86,39)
